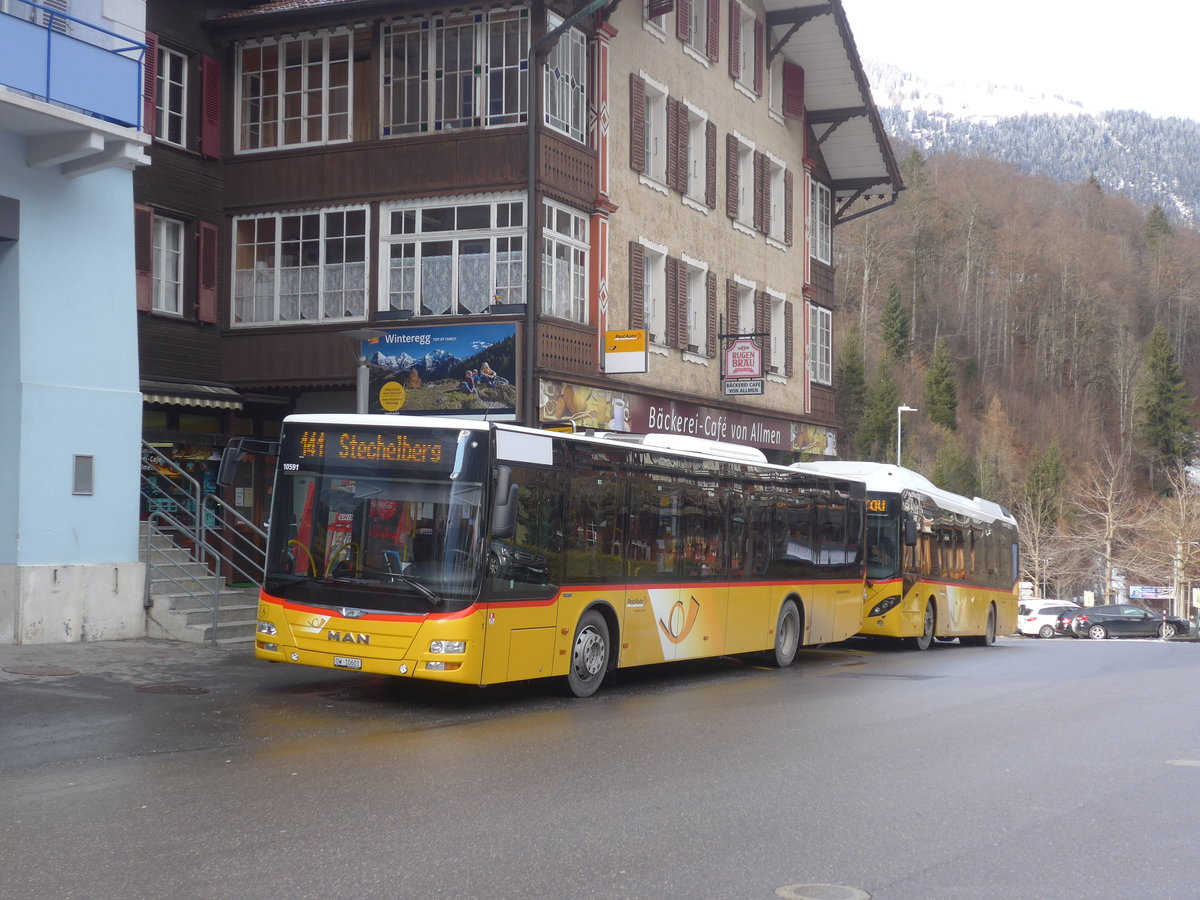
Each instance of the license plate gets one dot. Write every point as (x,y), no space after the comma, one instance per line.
(347,662)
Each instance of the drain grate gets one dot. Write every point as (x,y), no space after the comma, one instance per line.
(171,689)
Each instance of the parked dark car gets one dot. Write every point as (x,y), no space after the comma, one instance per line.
(1124,620)
(516,563)
(1062,625)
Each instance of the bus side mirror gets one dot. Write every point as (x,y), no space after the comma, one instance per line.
(910,533)
(504,519)
(229,460)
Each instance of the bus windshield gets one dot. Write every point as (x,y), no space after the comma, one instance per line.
(380,519)
(883,533)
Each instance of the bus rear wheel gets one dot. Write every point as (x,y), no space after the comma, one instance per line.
(787,636)
(589,655)
(928,623)
(988,637)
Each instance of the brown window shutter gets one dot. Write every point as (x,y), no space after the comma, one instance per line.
(683,19)
(762,324)
(735,35)
(758,56)
(673,315)
(710,301)
(731,306)
(206,274)
(143,255)
(210,107)
(712,47)
(710,164)
(656,8)
(787,206)
(793,90)
(150,83)
(760,199)
(732,146)
(637,286)
(676,145)
(637,123)
(787,338)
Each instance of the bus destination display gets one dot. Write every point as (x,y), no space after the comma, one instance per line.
(423,451)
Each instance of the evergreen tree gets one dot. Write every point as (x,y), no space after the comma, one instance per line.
(1164,408)
(876,438)
(941,389)
(893,322)
(1043,493)
(850,380)
(1155,227)
(954,467)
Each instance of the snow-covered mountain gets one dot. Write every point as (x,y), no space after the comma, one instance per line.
(1151,160)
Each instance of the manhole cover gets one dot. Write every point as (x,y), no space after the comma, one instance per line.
(820,892)
(40,670)
(171,689)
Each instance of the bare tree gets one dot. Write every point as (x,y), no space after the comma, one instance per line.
(1107,514)
(1168,548)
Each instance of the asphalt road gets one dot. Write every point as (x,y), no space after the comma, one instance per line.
(1032,769)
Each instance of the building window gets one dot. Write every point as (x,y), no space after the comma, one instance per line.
(294,92)
(168,265)
(746,50)
(453,72)
(170,108)
(820,227)
(564,263)
(740,172)
(777,315)
(654,12)
(445,259)
(697,27)
(776,200)
(656,133)
(566,83)
(696,176)
(305,267)
(745,308)
(654,292)
(820,344)
(695,284)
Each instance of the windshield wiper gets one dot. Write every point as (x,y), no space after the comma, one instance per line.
(424,591)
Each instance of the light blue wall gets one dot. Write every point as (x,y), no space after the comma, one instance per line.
(68,366)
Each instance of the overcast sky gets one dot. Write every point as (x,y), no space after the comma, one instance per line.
(1106,54)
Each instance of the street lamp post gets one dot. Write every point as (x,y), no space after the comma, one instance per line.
(900,411)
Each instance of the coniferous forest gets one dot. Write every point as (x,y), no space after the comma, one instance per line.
(1049,335)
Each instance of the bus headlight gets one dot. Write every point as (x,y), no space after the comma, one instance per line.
(265,627)
(884,605)
(448,647)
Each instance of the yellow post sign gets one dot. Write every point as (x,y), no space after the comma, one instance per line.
(625,351)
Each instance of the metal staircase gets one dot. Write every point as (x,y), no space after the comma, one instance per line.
(204,559)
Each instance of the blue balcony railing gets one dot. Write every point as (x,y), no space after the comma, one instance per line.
(63,60)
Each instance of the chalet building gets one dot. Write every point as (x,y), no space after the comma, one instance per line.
(617,215)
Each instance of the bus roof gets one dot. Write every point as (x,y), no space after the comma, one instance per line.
(883,477)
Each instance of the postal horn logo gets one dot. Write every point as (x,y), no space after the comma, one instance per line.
(680,620)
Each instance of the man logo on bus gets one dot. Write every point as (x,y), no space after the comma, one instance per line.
(679,623)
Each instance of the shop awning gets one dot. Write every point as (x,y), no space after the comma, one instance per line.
(173,393)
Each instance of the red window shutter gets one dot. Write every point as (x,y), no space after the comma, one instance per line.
(732,146)
(143,255)
(712,46)
(787,206)
(731,306)
(637,286)
(710,165)
(656,8)
(210,107)
(206,275)
(793,90)
(735,35)
(710,302)
(683,19)
(637,123)
(759,41)
(787,338)
(150,83)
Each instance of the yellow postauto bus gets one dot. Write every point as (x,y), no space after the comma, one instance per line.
(939,565)
(481,552)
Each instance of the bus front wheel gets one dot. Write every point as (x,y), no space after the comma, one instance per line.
(928,622)
(787,635)
(589,655)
